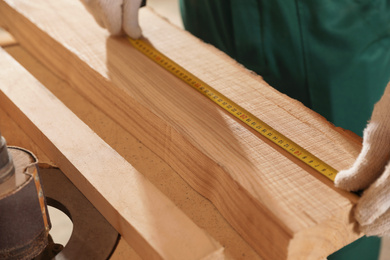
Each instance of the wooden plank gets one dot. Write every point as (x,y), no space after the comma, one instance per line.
(149,221)
(198,208)
(282,208)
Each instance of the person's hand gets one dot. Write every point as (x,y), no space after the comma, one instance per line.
(117,16)
(371,172)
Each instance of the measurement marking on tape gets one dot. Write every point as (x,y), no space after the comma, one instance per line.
(234,109)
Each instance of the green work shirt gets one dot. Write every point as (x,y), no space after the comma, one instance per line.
(332,55)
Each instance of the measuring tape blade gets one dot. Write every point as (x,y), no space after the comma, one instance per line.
(234,109)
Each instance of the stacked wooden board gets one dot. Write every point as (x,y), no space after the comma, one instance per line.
(158,172)
(133,205)
(281,207)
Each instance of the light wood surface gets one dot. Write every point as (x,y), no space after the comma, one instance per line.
(197,207)
(140,212)
(282,208)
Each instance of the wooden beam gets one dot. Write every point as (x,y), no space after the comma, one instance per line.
(281,207)
(149,221)
(201,211)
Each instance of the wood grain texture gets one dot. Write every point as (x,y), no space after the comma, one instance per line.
(198,208)
(282,208)
(147,219)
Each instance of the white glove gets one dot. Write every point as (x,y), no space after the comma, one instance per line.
(371,172)
(117,16)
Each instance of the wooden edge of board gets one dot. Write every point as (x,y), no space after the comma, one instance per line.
(147,220)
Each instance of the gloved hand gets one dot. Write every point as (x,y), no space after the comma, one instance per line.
(117,16)
(371,172)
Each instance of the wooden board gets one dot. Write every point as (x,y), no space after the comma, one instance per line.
(140,212)
(282,208)
(198,208)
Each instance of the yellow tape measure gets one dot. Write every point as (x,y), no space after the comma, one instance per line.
(235,110)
